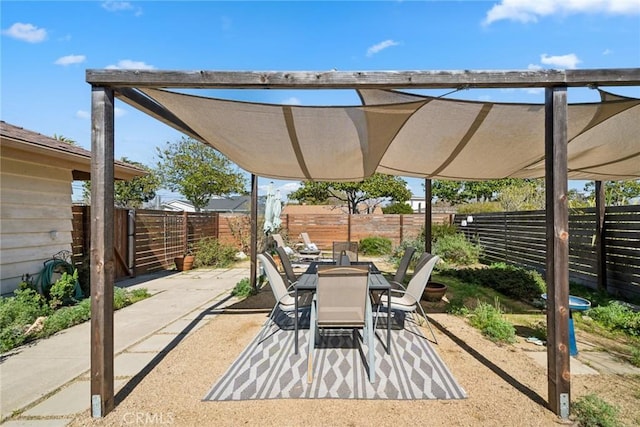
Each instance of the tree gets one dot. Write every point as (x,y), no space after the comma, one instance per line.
(372,192)
(62,138)
(458,192)
(616,193)
(133,193)
(198,171)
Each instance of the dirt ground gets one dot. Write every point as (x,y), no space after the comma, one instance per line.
(505,387)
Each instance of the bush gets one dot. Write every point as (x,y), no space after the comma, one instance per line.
(592,411)
(375,246)
(479,207)
(397,208)
(243,289)
(509,280)
(617,317)
(456,249)
(211,253)
(62,292)
(489,320)
(19,312)
(437,231)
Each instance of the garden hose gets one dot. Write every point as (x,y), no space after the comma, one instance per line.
(46,275)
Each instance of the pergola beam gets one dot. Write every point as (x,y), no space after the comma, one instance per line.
(203,79)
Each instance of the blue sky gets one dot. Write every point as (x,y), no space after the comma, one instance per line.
(47,46)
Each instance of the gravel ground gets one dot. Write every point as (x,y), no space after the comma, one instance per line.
(505,387)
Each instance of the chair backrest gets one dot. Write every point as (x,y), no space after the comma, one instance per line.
(343,259)
(351,249)
(286,265)
(279,240)
(273,275)
(342,294)
(420,277)
(305,238)
(404,264)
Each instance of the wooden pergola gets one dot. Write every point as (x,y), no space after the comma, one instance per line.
(108,84)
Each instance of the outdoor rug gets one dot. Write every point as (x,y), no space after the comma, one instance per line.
(270,370)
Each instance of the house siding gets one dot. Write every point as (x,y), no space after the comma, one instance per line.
(36,200)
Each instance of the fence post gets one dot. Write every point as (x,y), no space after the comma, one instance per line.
(185,231)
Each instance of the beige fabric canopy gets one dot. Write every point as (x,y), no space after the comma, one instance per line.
(411,135)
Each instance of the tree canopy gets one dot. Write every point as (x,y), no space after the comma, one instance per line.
(370,192)
(616,193)
(133,193)
(198,172)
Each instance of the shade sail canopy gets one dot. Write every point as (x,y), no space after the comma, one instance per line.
(410,135)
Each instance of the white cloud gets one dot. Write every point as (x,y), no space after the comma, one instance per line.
(291,101)
(607,52)
(85,115)
(127,64)
(116,6)
(70,59)
(26,32)
(81,114)
(119,6)
(534,67)
(381,46)
(562,61)
(530,10)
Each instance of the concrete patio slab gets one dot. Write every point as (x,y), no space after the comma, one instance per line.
(577,367)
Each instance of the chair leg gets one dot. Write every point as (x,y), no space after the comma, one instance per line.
(369,333)
(426,319)
(267,322)
(312,342)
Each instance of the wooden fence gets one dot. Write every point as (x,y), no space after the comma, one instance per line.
(519,238)
(514,237)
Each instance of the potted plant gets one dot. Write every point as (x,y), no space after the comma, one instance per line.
(185,262)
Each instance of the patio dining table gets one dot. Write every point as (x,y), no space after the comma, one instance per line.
(308,282)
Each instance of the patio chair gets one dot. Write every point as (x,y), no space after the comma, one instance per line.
(408,299)
(282,293)
(342,302)
(286,265)
(351,249)
(280,244)
(308,244)
(343,259)
(401,272)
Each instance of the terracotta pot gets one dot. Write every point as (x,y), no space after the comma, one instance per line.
(184,263)
(434,291)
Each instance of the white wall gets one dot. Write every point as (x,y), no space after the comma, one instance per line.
(35,217)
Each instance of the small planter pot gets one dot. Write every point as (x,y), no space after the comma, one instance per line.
(434,291)
(184,263)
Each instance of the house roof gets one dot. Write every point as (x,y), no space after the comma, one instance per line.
(230,204)
(28,145)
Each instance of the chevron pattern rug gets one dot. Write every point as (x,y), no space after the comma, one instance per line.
(269,369)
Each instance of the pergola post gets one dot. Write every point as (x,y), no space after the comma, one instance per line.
(254,232)
(601,247)
(428,217)
(102,262)
(557,234)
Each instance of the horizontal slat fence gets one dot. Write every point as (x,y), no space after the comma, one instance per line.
(520,238)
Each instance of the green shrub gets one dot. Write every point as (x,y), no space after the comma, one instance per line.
(592,411)
(66,317)
(210,252)
(17,313)
(437,231)
(62,292)
(375,245)
(397,208)
(456,249)
(517,282)
(617,317)
(243,289)
(489,320)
